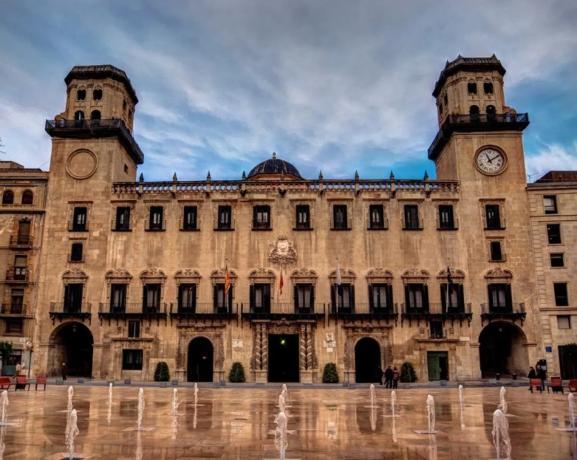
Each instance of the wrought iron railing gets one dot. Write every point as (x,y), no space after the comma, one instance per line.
(512,311)
(18,274)
(70,310)
(21,241)
(14,310)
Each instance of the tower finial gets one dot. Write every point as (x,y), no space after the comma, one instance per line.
(392,175)
(243,175)
(320,175)
(141,178)
(274,155)
(426,176)
(356,175)
(208,176)
(174,178)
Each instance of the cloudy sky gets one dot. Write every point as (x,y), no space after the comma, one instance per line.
(335,85)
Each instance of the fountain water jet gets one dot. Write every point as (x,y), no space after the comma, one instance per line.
(372,395)
(280,434)
(500,434)
(570,401)
(195,393)
(174,401)
(281,403)
(4,403)
(430,417)
(502,400)
(70,396)
(71,432)
(461,406)
(109,413)
(140,409)
(285,392)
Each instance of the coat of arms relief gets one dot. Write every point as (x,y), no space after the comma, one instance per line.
(282,252)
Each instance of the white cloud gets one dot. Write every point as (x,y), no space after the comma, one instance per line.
(551,157)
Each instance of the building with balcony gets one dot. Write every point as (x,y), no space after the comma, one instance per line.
(280,272)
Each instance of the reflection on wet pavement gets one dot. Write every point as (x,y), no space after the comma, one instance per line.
(239,423)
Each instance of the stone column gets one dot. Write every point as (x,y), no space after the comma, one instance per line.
(97,361)
(306,354)
(260,353)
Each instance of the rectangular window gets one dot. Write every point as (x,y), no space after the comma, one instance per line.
(376,217)
(122,219)
(189,218)
(76,252)
(80,219)
(222,302)
(20,267)
(550,204)
(14,326)
(446,218)
(260,297)
(73,297)
(488,87)
(23,232)
(411,217)
(117,297)
(554,233)
(133,329)
(304,295)
(303,217)
(156,217)
(454,300)
(557,259)
(500,297)
(496,252)
(187,298)
(224,217)
(16,301)
(381,296)
(340,217)
(132,360)
(472,88)
(563,322)
(492,217)
(151,298)
(343,297)
(436,329)
(561,296)
(417,297)
(261,217)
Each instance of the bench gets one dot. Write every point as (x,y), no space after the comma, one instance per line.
(573,385)
(5,383)
(40,380)
(556,384)
(535,383)
(21,383)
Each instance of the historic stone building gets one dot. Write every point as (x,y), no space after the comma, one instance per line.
(281,273)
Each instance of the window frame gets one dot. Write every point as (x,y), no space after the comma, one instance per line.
(488,87)
(471,87)
(73,297)
(122,213)
(492,244)
(557,256)
(79,219)
(450,224)
(76,255)
(550,209)
(120,307)
(411,300)
(187,211)
(133,329)
(7,197)
(224,224)
(136,361)
(259,211)
(300,297)
(154,226)
(305,210)
(265,293)
(495,221)
(561,298)
(342,210)
(191,296)
(155,296)
(380,212)
(409,222)
(340,293)
(376,303)
(569,322)
(493,290)
(551,234)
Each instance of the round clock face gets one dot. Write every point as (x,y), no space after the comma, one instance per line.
(490,161)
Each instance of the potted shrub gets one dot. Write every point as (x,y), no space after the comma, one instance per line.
(330,374)
(236,373)
(161,373)
(408,374)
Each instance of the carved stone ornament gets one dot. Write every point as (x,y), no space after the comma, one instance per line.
(153,272)
(282,252)
(187,273)
(415,273)
(74,273)
(118,273)
(498,273)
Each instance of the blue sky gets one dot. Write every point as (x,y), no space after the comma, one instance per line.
(333,85)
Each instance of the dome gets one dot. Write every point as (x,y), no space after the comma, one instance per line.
(274,166)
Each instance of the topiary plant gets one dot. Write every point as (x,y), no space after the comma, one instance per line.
(236,373)
(408,373)
(161,374)
(330,374)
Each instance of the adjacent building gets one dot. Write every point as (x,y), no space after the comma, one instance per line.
(286,274)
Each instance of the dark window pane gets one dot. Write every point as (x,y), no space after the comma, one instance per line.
(557,260)
(187,297)
(97,94)
(472,88)
(340,216)
(118,297)
(95,115)
(446,218)
(554,233)
(27,197)
(8,197)
(304,296)
(224,217)
(133,329)
(132,360)
(189,218)
(156,218)
(261,217)
(492,216)
(303,216)
(73,297)
(496,253)
(376,216)
(561,297)
(76,252)
(151,298)
(81,94)
(343,297)
(416,296)
(123,218)
(24,227)
(79,219)
(488,87)
(411,217)
(500,296)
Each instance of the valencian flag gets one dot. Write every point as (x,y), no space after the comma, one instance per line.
(226,281)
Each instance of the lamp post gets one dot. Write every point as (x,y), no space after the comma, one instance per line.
(28,347)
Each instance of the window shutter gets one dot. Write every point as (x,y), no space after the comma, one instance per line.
(193,293)
(371,301)
(352,304)
(333,297)
(460,296)
(229,300)
(267,297)
(490,296)
(144,303)
(407,298)
(426,297)
(215,296)
(251,295)
(296,297)
(508,296)
(312,305)
(444,296)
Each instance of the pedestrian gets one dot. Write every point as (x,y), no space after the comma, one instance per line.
(542,372)
(380,375)
(396,377)
(63,370)
(532,373)
(388,377)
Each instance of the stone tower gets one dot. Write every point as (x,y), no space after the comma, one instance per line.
(92,147)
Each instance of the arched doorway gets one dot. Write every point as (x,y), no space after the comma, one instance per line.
(502,350)
(200,360)
(71,343)
(367,360)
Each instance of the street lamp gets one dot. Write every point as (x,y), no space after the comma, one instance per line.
(28,347)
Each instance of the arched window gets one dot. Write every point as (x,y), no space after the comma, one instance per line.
(95,115)
(488,87)
(474,111)
(491,111)
(79,115)
(27,197)
(8,197)
(80,94)
(97,94)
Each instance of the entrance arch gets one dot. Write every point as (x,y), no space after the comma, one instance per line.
(502,349)
(367,360)
(200,360)
(71,343)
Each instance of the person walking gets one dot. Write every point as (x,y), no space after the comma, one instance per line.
(380,375)
(542,372)
(396,377)
(388,377)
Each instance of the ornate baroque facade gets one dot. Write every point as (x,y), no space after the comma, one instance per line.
(280,273)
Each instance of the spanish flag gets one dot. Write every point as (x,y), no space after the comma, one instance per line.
(226,280)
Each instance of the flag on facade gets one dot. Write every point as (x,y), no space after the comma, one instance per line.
(280,283)
(226,280)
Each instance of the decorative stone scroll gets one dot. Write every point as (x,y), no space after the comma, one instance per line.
(187,275)
(261,275)
(379,275)
(499,274)
(74,274)
(348,276)
(415,275)
(457,275)
(118,275)
(218,276)
(304,275)
(153,275)
(282,252)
